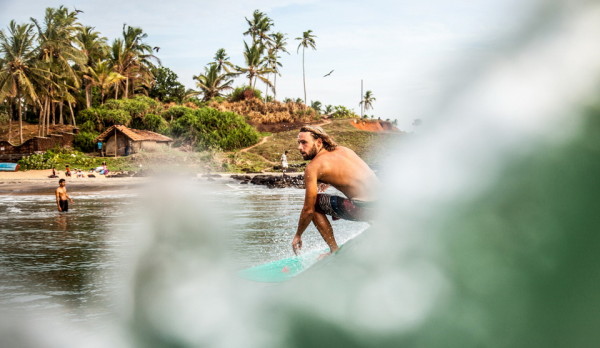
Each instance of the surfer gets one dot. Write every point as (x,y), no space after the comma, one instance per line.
(62,197)
(340,167)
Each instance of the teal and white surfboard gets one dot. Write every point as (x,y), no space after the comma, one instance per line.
(284,269)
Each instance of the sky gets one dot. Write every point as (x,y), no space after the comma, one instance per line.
(400,50)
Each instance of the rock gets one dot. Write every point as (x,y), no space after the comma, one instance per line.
(278,181)
(241,177)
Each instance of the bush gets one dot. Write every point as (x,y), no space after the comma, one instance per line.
(38,161)
(85,141)
(59,158)
(175,112)
(208,128)
(343,112)
(155,123)
(96,119)
(244,93)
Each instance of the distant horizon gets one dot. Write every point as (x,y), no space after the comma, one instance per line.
(398,49)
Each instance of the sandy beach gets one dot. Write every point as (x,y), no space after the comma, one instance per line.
(39,182)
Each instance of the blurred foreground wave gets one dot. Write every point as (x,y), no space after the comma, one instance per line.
(487,237)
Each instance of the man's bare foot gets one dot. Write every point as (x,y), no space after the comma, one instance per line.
(322,256)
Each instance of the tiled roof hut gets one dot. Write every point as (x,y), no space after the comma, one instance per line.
(121,141)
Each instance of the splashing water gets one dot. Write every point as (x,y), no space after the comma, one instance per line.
(487,234)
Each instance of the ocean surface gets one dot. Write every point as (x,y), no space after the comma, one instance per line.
(73,260)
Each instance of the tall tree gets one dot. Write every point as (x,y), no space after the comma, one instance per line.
(166,88)
(133,59)
(259,27)
(306,40)
(96,49)
(278,44)
(367,100)
(19,73)
(59,52)
(221,59)
(104,77)
(255,68)
(212,83)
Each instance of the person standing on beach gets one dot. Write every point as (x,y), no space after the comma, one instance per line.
(284,162)
(99,146)
(340,167)
(62,197)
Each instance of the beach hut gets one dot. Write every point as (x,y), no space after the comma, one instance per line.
(121,141)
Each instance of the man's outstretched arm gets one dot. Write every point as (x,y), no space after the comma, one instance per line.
(308,210)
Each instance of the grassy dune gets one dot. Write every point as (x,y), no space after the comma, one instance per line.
(371,146)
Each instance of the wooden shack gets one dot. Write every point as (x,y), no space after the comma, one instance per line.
(121,141)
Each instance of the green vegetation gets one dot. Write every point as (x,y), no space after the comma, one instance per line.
(59,158)
(166,88)
(369,145)
(209,128)
(342,112)
(244,92)
(60,71)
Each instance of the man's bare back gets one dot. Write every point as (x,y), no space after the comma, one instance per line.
(344,170)
(337,166)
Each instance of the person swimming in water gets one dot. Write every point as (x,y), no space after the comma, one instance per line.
(342,168)
(62,197)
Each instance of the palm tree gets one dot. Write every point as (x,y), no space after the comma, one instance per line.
(271,62)
(307,40)
(277,45)
(133,58)
(19,73)
(59,53)
(255,68)
(222,60)
(96,49)
(259,26)
(367,100)
(317,105)
(102,76)
(212,83)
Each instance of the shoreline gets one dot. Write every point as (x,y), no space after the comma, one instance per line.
(38,182)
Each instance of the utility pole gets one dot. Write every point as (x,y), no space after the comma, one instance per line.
(361,100)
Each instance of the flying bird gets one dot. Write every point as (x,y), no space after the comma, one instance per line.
(329,73)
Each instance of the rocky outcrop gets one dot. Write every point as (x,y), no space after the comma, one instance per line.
(272,181)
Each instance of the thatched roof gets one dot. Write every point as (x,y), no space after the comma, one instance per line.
(133,134)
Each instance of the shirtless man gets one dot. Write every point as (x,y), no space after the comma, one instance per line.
(340,167)
(62,198)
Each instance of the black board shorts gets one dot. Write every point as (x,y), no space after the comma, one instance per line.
(64,205)
(344,208)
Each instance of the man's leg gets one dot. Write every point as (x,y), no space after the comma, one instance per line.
(324,227)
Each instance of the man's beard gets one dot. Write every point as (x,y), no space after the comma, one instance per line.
(310,154)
